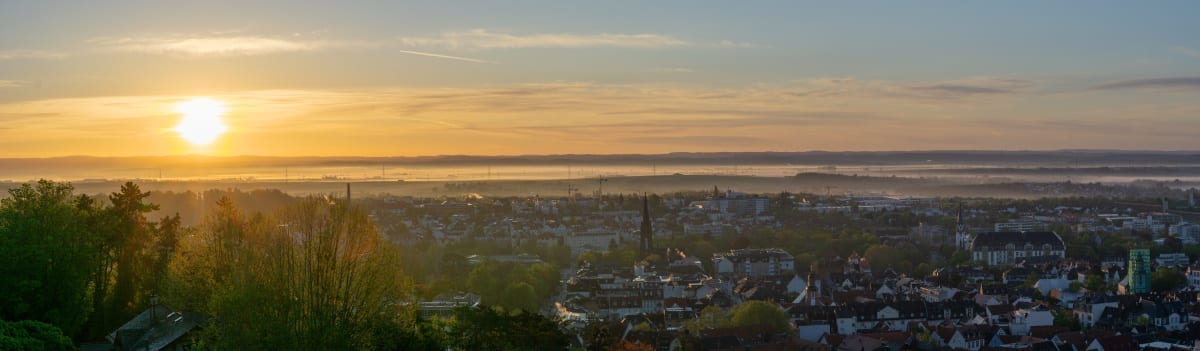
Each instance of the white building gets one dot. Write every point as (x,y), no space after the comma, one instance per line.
(738,203)
(591,240)
(1193,275)
(1188,233)
(1024,225)
(753,262)
(1173,259)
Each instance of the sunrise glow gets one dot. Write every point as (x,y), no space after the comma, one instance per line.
(201,124)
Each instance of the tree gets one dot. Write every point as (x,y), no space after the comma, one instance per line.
(1031,280)
(1167,279)
(485,328)
(319,278)
(46,255)
(33,335)
(1064,318)
(710,317)
(760,313)
(1074,286)
(1095,282)
(519,296)
(120,280)
(884,257)
(740,242)
(208,257)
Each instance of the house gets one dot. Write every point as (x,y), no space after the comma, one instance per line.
(443,305)
(157,328)
(1123,342)
(1089,309)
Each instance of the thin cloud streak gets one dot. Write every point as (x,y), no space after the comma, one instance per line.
(672,70)
(457,58)
(12,83)
(1152,83)
(214,45)
(484,39)
(25,54)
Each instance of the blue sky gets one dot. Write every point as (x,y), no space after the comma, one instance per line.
(748,75)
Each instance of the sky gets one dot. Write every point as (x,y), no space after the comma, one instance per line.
(401,78)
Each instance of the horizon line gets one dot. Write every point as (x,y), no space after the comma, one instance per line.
(194,155)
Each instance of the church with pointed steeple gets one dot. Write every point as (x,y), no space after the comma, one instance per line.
(962,239)
(646,242)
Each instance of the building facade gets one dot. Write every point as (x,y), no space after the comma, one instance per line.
(753,262)
(1008,248)
(1139,271)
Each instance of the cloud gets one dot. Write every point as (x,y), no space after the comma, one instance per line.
(484,39)
(721,140)
(225,45)
(22,54)
(734,44)
(672,70)
(213,45)
(574,117)
(959,89)
(12,83)
(448,57)
(941,91)
(1152,83)
(1186,51)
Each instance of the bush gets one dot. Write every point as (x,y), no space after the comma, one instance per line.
(33,335)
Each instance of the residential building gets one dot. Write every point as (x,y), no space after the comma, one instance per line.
(753,262)
(1022,225)
(1177,259)
(1007,248)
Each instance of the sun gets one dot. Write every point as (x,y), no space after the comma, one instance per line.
(201,123)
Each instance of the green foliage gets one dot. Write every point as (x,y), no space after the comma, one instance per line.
(513,286)
(492,329)
(882,257)
(710,317)
(1095,282)
(1141,321)
(1032,280)
(317,277)
(519,296)
(760,313)
(1065,318)
(1074,287)
(47,255)
(33,335)
(1167,280)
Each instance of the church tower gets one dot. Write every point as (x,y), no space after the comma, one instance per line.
(647,234)
(962,240)
(812,294)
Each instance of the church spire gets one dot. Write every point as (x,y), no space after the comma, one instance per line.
(647,233)
(812,293)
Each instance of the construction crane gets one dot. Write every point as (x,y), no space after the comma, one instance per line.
(600,188)
(827,192)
